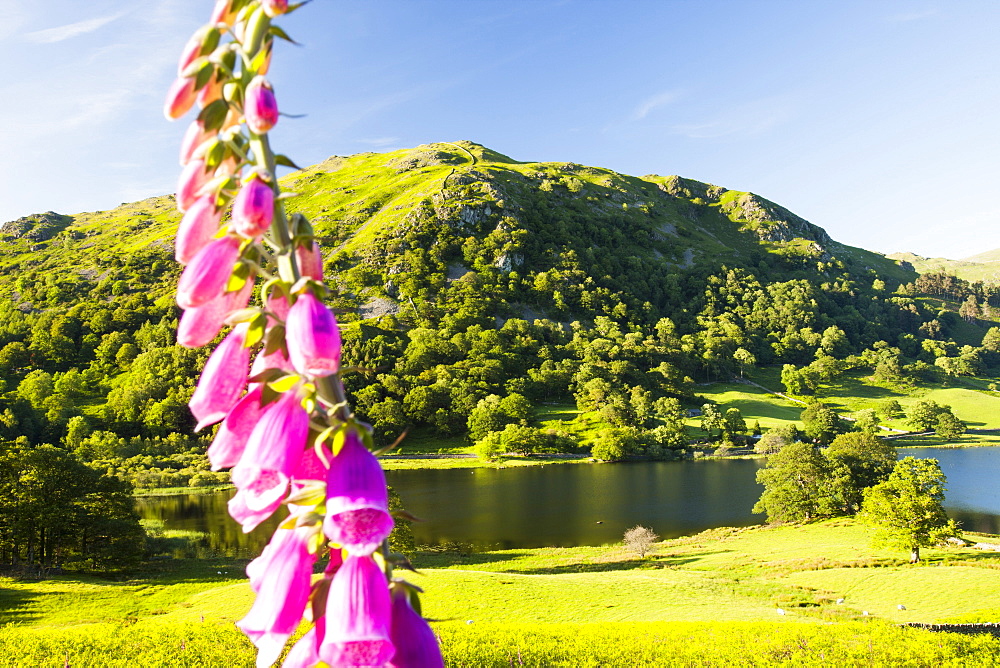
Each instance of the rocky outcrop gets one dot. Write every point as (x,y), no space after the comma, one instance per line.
(37,227)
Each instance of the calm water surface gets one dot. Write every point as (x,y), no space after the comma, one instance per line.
(566,505)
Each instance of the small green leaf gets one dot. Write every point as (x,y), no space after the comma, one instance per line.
(214,115)
(210,41)
(284,383)
(284,161)
(312,494)
(239,277)
(266,376)
(215,154)
(205,74)
(281,34)
(243,315)
(258,326)
(274,340)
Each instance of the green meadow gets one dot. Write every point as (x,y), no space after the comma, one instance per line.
(709,599)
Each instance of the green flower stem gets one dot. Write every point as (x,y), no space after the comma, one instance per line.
(280,234)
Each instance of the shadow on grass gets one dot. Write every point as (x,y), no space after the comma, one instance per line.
(649,562)
(14,604)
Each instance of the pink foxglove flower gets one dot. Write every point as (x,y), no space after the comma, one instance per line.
(253,208)
(194,177)
(313,337)
(260,108)
(199,325)
(205,278)
(194,136)
(231,439)
(198,227)
(310,261)
(223,379)
(358,616)
(357,503)
(273,451)
(415,643)
(281,577)
(249,519)
(180,98)
(305,652)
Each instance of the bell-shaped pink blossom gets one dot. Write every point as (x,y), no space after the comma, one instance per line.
(313,337)
(310,261)
(253,208)
(259,107)
(357,502)
(248,518)
(180,98)
(193,179)
(198,227)
(358,613)
(234,432)
(415,643)
(194,136)
(205,278)
(281,577)
(305,652)
(222,380)
(199,325)
(273,450)
(311,466)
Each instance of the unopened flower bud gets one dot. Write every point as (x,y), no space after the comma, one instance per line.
(210,92)
(260,108)
(313,337)
(205,278)
(253,208)
(195,135)
(197,228)
(193,178)
(180,98)
(202,42)
(222,380)
(310,261)
(274,7)
(223,12)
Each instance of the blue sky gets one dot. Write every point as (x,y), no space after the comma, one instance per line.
(875,120)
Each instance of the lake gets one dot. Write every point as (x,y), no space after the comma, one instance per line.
(582,504)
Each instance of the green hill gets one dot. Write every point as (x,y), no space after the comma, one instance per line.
(980,267)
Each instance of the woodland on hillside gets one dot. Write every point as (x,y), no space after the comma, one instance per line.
(513,284)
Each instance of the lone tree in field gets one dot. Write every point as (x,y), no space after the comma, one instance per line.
(638,540)
(907,509)
(795,484)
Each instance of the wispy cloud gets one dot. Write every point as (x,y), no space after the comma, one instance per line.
(68,31)
(378,141)
(746,119)
(905,17)
(651,103)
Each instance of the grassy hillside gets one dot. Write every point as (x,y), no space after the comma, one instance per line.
(981,267)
